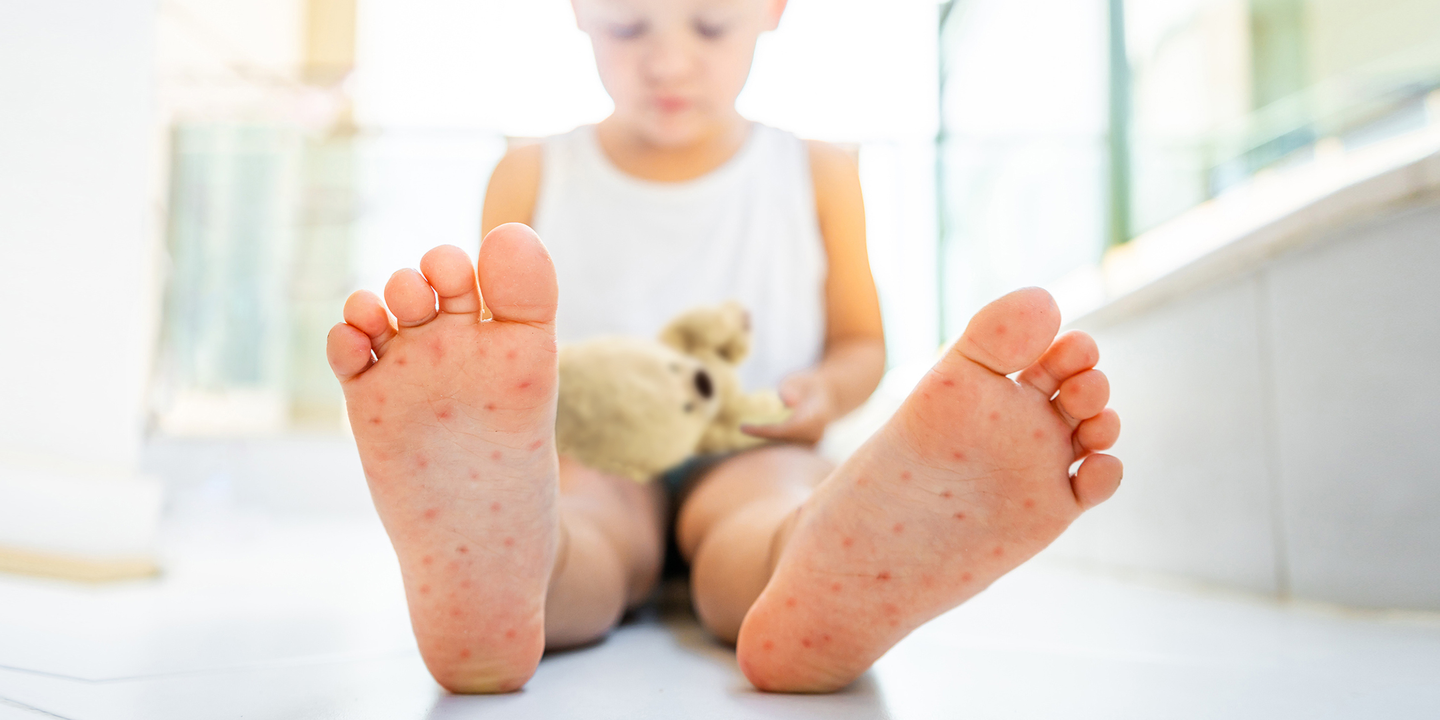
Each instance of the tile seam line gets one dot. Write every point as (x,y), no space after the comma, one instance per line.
(31,708)
(1265,325)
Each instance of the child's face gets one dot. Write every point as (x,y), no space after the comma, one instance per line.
(675,67)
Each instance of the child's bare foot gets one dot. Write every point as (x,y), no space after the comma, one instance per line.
(455,424)
(969,479)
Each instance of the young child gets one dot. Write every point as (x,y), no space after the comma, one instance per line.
(814,571)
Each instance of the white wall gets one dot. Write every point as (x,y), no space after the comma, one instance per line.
(76,236)
(1281,424)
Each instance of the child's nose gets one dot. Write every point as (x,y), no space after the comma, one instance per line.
(669,59)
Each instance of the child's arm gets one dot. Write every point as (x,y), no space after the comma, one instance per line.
(854,358)
(514,185)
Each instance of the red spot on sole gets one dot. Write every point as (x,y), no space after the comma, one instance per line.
(998,551)
(957,455)
(455,612)
(444,414)
(899,528)
(884,575)
(959,516)
(1038,434)
(806,642)
(947,494)
(424,589)
(825,638)
(848,542)
(768,645)
(889,609)
(426,560)
(1000,329)
(510,634)
(474,474)
(948,383)
(494,507)
(432,513)
(905,475)
(1029,503)
(967,577)
(490,406)
(790,602)
(835,587)
(524,385)
(400,361)
(464,584)
(536,445)
(510,355)
(422,462)
(496,455)
(994,416)
(462,549)
(509,542)
(375,421)
(464,654)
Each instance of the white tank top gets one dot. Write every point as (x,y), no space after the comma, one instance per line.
(631,253)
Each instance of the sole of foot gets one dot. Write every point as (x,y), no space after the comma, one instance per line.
(970,478)
(453,413)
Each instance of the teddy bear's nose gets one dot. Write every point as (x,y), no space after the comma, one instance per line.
(703,384)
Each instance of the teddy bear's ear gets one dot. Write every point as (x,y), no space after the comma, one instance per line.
(722,330)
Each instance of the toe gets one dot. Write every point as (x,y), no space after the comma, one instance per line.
(449,271)
(1098,433)
(1072,353)
(1083,396)
(364,312)
(517,276)
(348,350)
(410,298)
(1096,480)
(1012,332)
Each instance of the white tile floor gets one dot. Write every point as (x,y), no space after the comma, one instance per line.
(263,619)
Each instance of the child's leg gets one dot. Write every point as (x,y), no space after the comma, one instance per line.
(612,546)
(729,528)
(969,479)
(454,419)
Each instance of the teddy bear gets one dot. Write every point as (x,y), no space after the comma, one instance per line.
(636,407)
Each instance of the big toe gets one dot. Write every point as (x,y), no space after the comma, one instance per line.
(517,277)
(1011,333)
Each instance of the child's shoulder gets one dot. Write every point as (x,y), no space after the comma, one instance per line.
(514,186)
(835,174)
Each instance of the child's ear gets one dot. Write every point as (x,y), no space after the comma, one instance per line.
(773,11)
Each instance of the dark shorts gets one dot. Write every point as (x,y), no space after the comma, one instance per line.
(678,482)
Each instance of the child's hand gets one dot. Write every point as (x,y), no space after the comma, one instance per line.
(812,407)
